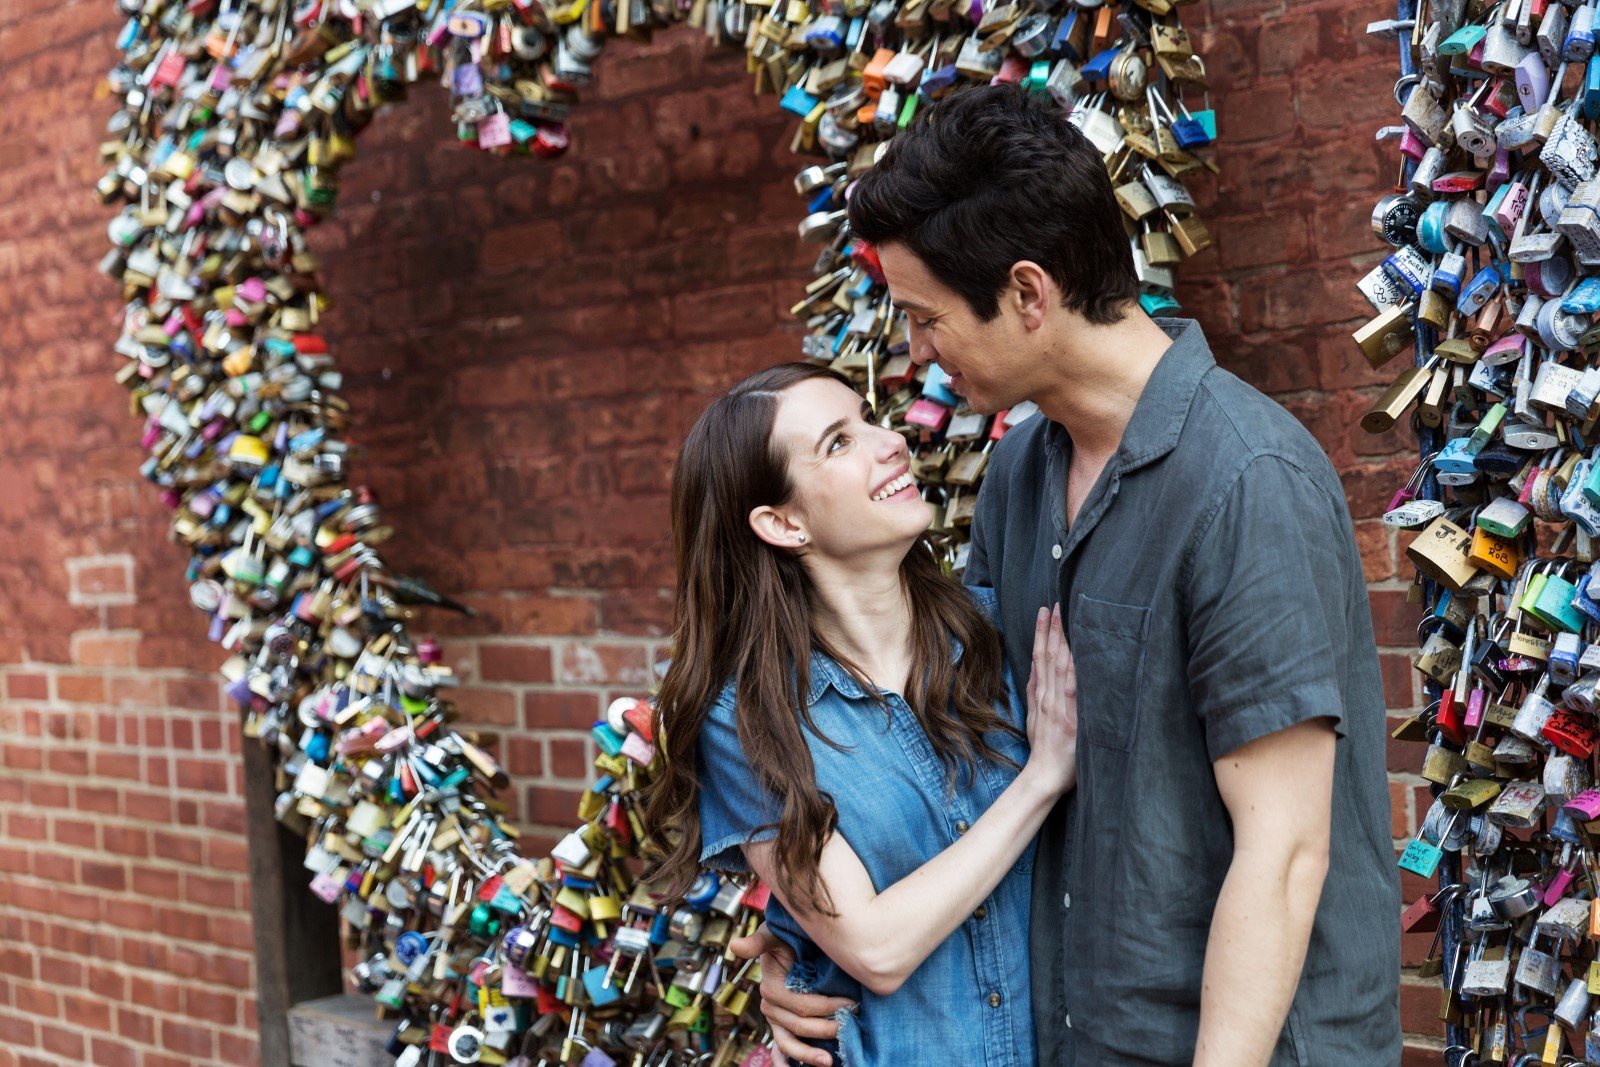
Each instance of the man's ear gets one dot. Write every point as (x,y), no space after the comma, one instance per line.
(1034,292)
(777,528)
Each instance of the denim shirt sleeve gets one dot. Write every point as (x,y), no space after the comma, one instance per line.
(735,809)
(986,598)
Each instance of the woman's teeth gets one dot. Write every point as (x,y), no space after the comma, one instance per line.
(893,487)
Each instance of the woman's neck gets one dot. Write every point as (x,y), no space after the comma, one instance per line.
(866,616)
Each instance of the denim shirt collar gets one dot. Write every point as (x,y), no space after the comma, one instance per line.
(826,672)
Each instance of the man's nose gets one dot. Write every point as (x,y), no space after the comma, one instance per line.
(922,353)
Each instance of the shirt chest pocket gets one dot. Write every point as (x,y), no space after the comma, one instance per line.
(1108,643)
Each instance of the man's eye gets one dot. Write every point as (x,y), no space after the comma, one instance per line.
(921,324)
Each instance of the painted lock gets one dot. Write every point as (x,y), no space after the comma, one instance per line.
(1442,552)
(1554,606)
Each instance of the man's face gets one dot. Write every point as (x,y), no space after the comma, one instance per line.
(990,363)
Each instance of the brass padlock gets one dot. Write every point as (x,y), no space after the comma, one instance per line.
(1442,551)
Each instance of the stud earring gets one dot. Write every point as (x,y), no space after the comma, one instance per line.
(801,538)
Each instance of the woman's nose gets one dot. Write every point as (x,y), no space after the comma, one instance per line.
(891,446)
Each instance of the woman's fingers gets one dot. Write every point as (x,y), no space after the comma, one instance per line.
(789,1049)
(812,1019)
(1041,627)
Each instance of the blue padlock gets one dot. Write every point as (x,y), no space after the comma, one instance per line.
(937,387)
(1061,44)
(1583,599)
(826,34)
(1591,89)
(798,101)
(1189,133)
(594,983)
(1455,457)
(937,81)
(1478,291)
(1579,44)
(1430,228)
(1159,304)
(1584,298)
(1447,274)
(1099,68)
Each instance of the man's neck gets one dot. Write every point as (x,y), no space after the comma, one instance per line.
(1102,373)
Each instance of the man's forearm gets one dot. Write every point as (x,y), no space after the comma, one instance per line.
(1256,950)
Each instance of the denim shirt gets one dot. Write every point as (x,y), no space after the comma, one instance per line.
(970,1002)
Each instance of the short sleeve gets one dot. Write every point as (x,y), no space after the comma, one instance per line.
(1269,595)
(735,809)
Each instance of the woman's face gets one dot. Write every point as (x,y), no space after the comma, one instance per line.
(853,491)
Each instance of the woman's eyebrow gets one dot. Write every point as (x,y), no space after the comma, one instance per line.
(836,424)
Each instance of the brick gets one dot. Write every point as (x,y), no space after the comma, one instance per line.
(556,709)
(100,580)
(515,663)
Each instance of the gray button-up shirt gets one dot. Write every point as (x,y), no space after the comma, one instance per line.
(1213,594)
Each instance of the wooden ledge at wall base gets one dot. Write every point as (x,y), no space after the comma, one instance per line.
(338,1031)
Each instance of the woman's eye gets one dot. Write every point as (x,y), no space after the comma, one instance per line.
(837,441)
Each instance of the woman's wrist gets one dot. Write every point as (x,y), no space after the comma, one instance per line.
(1041,782)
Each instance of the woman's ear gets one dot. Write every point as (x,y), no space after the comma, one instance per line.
(1033,289)
(777,528)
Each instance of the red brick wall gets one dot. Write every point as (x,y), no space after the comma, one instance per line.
(524,345)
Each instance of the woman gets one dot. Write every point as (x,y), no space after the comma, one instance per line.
(837,718)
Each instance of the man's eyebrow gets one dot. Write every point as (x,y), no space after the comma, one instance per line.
(910,305)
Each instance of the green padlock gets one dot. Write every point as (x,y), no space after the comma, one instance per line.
(1530,592)
(1504,517)
(1553,606)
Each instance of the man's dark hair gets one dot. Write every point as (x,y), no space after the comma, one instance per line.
(991,175)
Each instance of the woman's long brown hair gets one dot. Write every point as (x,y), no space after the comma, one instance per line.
(744,612)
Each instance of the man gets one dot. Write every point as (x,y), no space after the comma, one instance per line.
(1220,889)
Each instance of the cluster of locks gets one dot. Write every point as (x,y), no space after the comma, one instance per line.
(1492,288)
(235,118)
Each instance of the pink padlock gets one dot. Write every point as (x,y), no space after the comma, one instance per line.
(1512,205)
(253,290)
(1476,701)
(1558,886)
(1504,350)
(1413,146)
(928,413)
(1585,806)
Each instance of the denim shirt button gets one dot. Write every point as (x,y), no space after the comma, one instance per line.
(981,913)
(962,827)
(1055,551)
(994,1000)
(1066,900)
